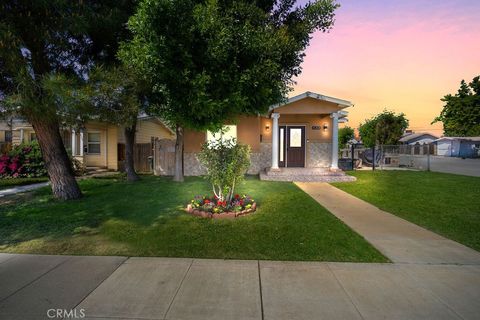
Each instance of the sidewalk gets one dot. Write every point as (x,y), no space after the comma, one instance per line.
(169,288)
(401,241)
(20,189)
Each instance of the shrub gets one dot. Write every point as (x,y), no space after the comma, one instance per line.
(78,167)
(226,163)
(23,161)
(26,161)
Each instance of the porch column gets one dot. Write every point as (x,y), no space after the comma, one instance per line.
(74,142)
(275,149)
(81,142)
(21,135)
(334,141)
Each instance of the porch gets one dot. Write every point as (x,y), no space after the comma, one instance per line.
(304,139)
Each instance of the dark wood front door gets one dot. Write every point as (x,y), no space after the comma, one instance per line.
(295,146)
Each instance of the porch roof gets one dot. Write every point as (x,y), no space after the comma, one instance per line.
(341,104)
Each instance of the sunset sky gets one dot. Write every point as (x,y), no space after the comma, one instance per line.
(401,55)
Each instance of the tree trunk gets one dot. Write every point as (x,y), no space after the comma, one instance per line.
(179,155)
(57,162)
(129,159)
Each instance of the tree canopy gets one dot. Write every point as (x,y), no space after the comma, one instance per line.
(461,113)
(385,128)
(209,61)
(44,45)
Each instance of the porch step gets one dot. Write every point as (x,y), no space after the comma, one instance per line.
(305,175)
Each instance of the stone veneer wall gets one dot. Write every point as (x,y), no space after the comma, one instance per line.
(259,161)
(191,165)
(319,154)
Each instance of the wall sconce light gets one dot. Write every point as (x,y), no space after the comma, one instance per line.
(267,127)
(325,126)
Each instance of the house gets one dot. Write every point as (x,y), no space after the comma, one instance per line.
(464,147)
(412,138)
(301,133)
(98,144)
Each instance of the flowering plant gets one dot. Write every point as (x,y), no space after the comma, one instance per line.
(215,205)
(24,160)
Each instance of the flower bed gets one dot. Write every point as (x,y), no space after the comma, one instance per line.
(212,207)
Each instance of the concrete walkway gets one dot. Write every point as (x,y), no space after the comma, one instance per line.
(169,288)
(396,238)
(20,189)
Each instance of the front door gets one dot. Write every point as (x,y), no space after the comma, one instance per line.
(295,146)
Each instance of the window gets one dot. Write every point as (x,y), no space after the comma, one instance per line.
(295,137)
(33,136)
(8,136)
(227,132)
(282,144)
(93,145)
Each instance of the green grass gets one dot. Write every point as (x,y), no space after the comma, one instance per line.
(10,183)
(146,219)
(447,204)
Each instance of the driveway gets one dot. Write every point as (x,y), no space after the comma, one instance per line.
(35,287)
(467,167)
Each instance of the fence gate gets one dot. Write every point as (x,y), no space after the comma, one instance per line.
(164,157)
(142,154)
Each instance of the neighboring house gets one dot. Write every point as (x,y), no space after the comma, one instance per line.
(412,138)
(464,147)
(98,144)
(300,133)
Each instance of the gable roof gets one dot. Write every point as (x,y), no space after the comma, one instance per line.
(413,136)
(308,94)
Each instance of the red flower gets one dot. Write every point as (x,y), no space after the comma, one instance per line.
(237,196)
(206,201)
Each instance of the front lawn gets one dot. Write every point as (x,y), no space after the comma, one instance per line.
(447,204)
(146,219)
(13,182)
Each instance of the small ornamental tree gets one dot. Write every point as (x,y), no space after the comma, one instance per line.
(344,136)
(226,163)
(385,128)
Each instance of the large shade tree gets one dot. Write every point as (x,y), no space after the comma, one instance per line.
(209,61)
(41,42)
(461,112)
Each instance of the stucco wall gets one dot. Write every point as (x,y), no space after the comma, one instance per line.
(248,132)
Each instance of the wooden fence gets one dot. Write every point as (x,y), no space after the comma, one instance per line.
(164,157)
